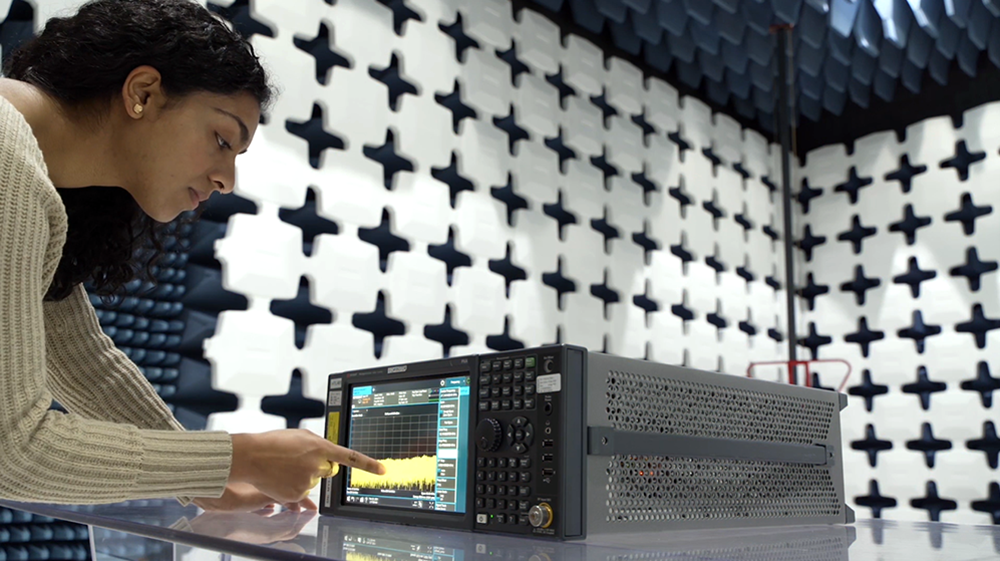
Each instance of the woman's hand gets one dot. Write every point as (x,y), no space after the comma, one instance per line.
(243,497)
(287,464)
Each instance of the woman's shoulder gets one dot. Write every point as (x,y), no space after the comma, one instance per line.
(22,164)
(16,136)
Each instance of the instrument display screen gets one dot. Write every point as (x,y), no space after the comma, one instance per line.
(418,430)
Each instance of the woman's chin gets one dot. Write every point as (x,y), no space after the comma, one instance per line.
(161,215)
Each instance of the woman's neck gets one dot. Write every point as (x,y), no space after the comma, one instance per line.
(76,155)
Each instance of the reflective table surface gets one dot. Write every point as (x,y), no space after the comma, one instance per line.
(153,530)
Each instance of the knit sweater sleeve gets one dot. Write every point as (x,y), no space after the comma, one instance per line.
(90,376)
(49,456)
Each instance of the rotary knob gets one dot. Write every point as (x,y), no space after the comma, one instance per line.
(489,435)
(540,515)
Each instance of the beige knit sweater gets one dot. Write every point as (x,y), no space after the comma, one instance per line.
(119,440)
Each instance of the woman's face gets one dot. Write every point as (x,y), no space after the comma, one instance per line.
(184,152)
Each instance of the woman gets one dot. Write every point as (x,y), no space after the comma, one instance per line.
(152,100)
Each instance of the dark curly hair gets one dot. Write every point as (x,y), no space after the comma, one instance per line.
(83,62)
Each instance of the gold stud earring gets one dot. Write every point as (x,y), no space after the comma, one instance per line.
(138,108)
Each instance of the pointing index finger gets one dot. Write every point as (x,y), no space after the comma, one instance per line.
(355,459)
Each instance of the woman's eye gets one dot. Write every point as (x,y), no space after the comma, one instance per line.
(222,142)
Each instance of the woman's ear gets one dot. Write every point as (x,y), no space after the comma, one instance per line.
(142,93)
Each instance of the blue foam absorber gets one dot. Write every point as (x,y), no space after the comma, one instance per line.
(919,47)
(937,67)
(625,38)
(712,66)
(61,552)
(758,15)
(744,107)
(834,101)
(812,26)
(586,15)
(841,48)
(689,73)
(198,326)
(868,29)
(159,340)
(860,93)
(64,533)
(124,320)
(927,14)
(884,86)
(766,122)
(980,22)
(810,59)
(764,100)
(993,48)
(41,533)
(812,86)
(165,392)
(196,383)
(739,84)
(731,26)
(890,59)
(647,28)
(658,56)
(968,56)
(730,6)
(203,241)
(705,36)
(165,309)
(896,20)
(949,35)
(836,74)
(641,6)
(843,13)
(19,534)
(760,47)
(205,291)
(673,16)
(993,6)
(863,67)
(736,57)
(700,10)
(22,517)
(683,47)
(173,259)
(718,93)
(614,10)
(551,5)
(762,76)
(787,10)
(958,11)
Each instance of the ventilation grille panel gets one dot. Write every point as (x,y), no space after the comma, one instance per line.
(659,488)
(642,403)
(816,549)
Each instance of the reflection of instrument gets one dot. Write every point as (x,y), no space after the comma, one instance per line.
(560,442)
(340,538)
